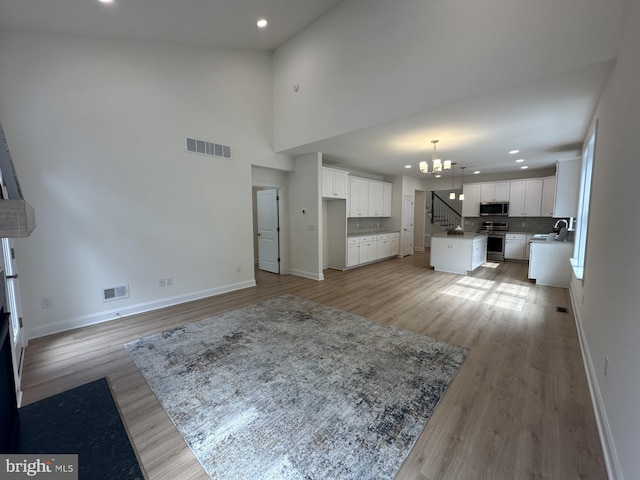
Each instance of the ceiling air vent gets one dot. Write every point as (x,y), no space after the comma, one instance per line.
(115,293)
(204,147)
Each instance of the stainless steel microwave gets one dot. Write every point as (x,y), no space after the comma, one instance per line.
(494,209)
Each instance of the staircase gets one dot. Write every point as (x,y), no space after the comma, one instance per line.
(442,213)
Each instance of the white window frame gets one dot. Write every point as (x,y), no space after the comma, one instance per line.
(582,221)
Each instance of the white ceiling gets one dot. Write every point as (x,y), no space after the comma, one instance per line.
(224,23)
(546,120)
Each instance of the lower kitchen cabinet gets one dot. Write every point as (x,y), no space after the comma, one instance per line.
(369,248)
(458,253)
(515,246)
(549,263)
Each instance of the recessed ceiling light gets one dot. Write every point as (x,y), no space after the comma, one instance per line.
(407,166)
(476,172)
(513,152)
(105,1)
(524,167)
(520,160)
(262,23)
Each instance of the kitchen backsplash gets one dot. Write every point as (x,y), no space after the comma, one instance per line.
(516,224)
(367,225)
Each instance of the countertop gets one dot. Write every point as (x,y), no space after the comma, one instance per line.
(366,234)
(464,236)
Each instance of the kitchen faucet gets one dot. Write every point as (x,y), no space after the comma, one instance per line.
(566,224)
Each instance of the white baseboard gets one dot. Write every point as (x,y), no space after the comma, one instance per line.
(109,315)
(309,275)
(604,429)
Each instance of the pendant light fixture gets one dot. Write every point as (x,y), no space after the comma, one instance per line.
(452,194)
(461,197)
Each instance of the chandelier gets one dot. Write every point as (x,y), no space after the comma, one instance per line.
(439,167)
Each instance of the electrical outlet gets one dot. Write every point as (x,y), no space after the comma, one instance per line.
(606,366)
(162,282)
(238,269)
(169,281)
(45,302)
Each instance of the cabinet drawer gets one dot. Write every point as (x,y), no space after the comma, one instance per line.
(352,240)
(516,236)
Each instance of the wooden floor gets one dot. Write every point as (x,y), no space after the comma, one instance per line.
(519,407)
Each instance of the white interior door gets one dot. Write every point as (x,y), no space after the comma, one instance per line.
(18,339)
(268,230)
(407,225)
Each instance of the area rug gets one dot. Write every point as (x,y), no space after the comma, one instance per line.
(290,389)
(85,421)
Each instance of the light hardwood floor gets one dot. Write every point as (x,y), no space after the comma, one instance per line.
(519,407)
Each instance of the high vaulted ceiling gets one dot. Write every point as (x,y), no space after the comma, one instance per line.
(223,23)
(546,118)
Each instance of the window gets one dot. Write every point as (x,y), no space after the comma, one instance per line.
(582,221)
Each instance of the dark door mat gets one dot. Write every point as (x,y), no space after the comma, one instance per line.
(84,421)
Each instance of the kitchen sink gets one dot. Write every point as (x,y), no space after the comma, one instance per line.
(541,236)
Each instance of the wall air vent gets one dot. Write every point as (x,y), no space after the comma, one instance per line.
(115,293)
(204,147)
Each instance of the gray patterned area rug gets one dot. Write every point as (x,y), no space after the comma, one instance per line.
(291,389)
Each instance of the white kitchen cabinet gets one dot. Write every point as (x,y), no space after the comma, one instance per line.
(376,199)
(479,252)
(548,196)
(568,173)
(353,253)
(395,244)
(515,246)
(525,198)
(471,202)
(549,263)
(368,249)
(494,192)
(358,197)
(334,183)
(369,198)
(458,253)
(387,191)
(383,246)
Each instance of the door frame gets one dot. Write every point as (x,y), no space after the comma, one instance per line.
(19,343)
(282,243)
(268,224)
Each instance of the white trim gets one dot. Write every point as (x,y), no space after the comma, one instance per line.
(309,275)
(92,319)
(604,428)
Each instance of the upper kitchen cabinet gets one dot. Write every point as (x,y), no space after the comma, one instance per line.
(376,199)
(358,197)
(494,192)
(567,190)
(525,198)
(387,190)
(548,196)
(334,183)
(471,202)
(369,198)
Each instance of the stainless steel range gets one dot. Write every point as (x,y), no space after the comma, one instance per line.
(496,232)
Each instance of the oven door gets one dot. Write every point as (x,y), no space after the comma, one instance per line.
(495,247)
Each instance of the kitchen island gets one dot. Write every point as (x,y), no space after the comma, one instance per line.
(549,262)
(458,253)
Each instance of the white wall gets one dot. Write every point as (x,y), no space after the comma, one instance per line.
(305,229)
(97,130)
(368,62)
(609,314)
